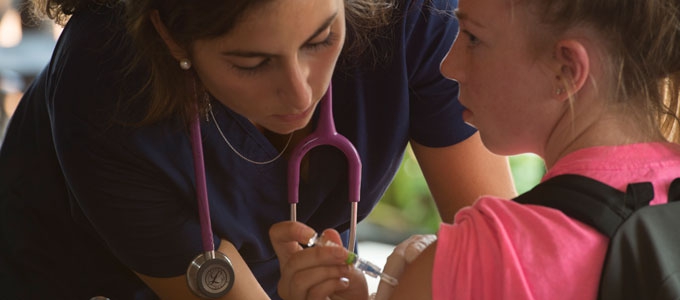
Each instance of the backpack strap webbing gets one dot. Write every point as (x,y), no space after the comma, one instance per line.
(590,201)
(642,259)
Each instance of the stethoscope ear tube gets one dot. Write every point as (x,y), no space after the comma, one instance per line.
(210,275)
(201,186)
(325,134)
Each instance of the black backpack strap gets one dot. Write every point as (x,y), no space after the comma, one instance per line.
(590,201)
(674,191)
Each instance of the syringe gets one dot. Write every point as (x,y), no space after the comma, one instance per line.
(363,265)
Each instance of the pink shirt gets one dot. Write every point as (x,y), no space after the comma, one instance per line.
(498,249)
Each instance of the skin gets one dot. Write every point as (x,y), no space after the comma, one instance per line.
(294,56)
(478,57)
(508,86)
(304,278)
(543,121)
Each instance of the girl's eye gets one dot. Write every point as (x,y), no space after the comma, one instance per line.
(328,41)
(472,39)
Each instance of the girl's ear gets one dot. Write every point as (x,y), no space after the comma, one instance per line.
(175,50)
(573,67)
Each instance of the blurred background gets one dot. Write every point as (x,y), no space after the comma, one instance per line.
(408,208)
(25,46)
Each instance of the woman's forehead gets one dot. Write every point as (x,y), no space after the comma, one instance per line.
(282,21)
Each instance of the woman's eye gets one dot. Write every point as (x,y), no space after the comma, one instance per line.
(328,41)
(251,69)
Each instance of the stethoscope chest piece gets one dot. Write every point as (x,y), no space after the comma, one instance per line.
(210,275)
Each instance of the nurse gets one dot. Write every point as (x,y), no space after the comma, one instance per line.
(97,187)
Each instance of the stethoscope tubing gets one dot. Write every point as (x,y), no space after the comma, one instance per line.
(326,134)
(201,187)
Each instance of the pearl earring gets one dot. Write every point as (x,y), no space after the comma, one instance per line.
(559,91)
(184,64)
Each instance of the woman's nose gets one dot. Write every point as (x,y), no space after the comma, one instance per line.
(295,89)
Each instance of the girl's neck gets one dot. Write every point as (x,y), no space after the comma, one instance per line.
(597,127)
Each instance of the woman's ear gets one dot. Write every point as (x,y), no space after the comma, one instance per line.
(573,69)
(175,50)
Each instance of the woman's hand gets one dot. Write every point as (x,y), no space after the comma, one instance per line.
(316,272)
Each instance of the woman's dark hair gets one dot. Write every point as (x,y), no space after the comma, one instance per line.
(169,95)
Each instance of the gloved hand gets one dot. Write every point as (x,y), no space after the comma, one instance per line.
(402,255)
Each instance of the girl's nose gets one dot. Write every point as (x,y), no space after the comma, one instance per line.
(450,65)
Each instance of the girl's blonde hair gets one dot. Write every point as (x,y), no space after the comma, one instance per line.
(643,45)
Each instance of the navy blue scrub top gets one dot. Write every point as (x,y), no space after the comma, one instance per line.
(85,199)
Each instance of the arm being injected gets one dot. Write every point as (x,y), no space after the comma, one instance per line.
(353,259)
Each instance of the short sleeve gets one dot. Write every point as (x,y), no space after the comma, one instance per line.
(133,197)
(436,114)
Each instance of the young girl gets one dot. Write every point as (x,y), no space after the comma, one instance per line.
(97,187)
(590,86)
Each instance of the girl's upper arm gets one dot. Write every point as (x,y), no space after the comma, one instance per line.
(416,281)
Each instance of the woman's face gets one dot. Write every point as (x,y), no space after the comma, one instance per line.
(276,64)
(504,83)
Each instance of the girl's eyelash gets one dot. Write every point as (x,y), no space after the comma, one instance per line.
(472,39)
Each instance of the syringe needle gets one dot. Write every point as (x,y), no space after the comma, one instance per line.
(363,265)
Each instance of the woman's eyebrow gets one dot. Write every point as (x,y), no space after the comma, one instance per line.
(318,31)
(323,27)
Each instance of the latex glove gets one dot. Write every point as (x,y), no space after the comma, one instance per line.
(402,255)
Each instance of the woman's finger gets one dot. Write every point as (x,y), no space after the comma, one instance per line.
(286,237)
(313,258)
(313,282)
(329,287)
(333,236)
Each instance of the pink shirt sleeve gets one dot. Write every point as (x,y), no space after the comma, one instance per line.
(498,249)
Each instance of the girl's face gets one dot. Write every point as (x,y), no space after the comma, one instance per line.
(276,64)
(504,82)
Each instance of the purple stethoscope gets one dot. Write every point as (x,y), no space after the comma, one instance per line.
(211,274)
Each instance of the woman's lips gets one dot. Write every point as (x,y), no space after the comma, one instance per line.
(294,117)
